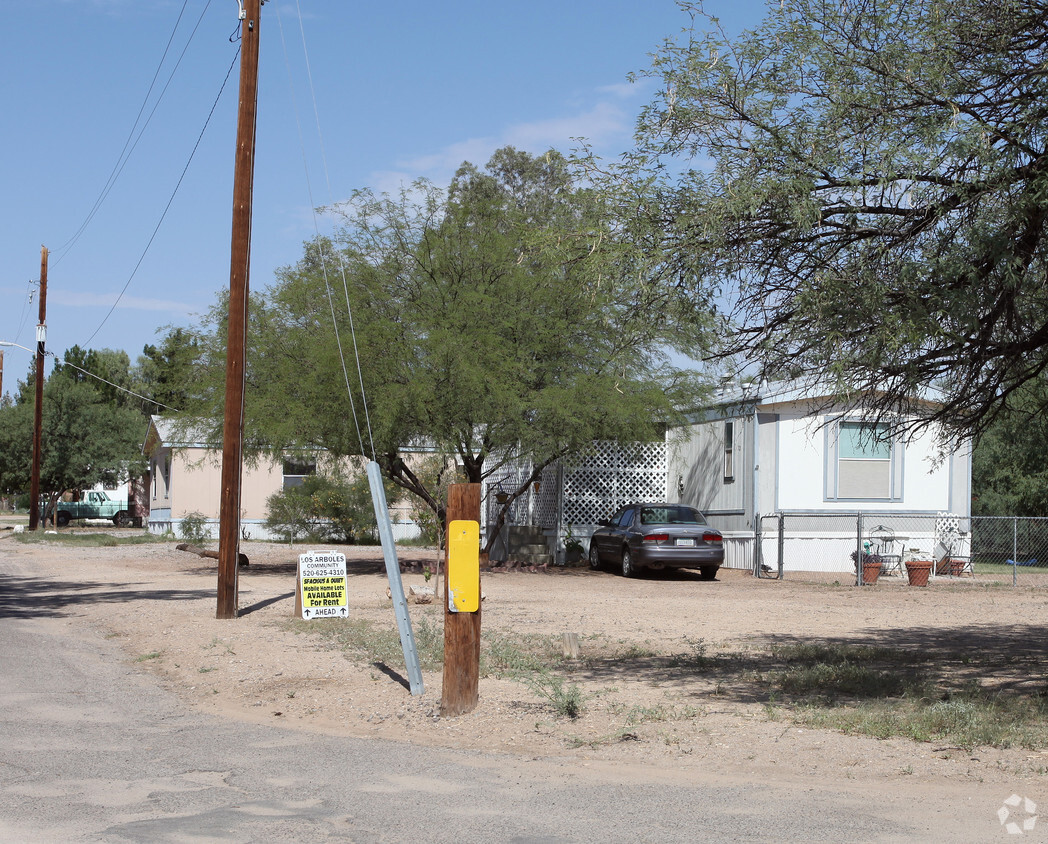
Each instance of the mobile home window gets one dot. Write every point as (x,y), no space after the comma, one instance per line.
(296,472)
(864,461)
(165,474)
(729,451)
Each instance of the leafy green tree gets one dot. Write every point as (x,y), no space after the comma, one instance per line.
(1010,462)
(502,317)
(107,370)
(86,437)
(164,372)
(866,184)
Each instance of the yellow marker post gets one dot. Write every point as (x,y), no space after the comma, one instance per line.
(463,566)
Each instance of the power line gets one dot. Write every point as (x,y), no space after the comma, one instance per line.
(125,153)
(323,257)
(171,199)
(48,353)
(26,302)
(111,384)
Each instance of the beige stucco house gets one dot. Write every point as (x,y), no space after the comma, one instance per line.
(186,476)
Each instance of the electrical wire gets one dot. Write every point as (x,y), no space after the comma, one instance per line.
(323,256)
(110,383)
(25,309)
(50,354)
(171,199)
(129,147)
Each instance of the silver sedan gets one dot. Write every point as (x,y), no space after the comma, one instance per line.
(657,536)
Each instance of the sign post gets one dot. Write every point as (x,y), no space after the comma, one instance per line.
(460,691)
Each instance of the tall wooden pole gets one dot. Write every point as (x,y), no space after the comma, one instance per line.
(41,338)
(460,691)
(240,254)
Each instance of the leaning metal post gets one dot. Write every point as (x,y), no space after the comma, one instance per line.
(396,585)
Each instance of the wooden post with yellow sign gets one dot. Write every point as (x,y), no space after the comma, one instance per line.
(460,691)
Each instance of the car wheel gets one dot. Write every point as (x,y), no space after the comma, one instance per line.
(61,518)
(628,568)
(708,573)
(594,556)
(121,519)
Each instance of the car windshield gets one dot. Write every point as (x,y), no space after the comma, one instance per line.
(671,516)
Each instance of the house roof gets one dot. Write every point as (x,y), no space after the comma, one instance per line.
(164,431)
(763,394)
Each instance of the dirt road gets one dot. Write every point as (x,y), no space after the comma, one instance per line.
(657,695)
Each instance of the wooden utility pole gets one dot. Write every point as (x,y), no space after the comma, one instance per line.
(236,341)
(41,338)
(460,691)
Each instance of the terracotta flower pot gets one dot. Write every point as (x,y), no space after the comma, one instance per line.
(956,568)
(918,571)
(870,573)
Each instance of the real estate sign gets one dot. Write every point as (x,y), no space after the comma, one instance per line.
(322,585)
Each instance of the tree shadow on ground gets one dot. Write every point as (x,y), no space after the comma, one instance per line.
(32,597)
(1006,658)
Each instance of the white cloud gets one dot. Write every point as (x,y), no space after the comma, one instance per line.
(606,124)
(128,303)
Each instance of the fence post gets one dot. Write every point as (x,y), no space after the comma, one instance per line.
(1015,550)
(782,541)
(757,551)
(858,548)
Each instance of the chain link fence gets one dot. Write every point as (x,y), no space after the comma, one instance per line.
(828,548)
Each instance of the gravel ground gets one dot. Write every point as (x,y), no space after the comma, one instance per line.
(668,669)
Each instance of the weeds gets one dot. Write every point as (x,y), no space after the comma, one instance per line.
(87,540)
(854,688)
(374,643)
(567,700)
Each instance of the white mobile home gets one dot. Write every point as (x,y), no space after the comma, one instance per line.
(766,449)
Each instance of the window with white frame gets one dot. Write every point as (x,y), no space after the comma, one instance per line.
(729,451)
(165,472)
(863,463)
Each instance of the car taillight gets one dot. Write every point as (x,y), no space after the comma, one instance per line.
(712,537)
(656,537)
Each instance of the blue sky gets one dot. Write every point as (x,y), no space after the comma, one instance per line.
(403,89)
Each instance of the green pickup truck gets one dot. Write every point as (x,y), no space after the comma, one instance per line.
(94,505)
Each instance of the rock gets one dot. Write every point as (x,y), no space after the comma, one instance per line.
(422,594)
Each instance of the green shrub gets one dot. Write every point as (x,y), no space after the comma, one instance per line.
(290,514)
(193,528)
(326,508)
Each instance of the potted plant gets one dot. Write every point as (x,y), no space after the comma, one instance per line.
(871,566)
(917,572)
(574,550)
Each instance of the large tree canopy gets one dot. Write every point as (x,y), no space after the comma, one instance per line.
(87,434)
(1010,464)
(502,316)
(866,183)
